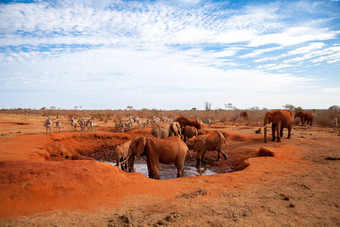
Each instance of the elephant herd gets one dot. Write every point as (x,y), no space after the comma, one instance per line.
(281,119)
(172,142)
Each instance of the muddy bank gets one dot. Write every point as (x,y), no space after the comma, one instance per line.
(299,185)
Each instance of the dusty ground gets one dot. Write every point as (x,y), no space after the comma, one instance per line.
(43,182)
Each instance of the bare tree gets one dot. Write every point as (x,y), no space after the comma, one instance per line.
(229,106)
(207,106)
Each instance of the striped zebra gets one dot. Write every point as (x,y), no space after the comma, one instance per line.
(335,124)
(207,121)
(120,126)
(82,124)
(165,119)
(48,125)
(89,125)
(58,125)
(73,124)
(155,120)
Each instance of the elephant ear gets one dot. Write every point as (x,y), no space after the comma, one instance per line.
(176,127)
(199,143)
(140,146)
(268,118)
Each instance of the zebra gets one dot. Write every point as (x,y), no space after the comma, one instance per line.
(207,121)
(139,122)
(165,119)
(128,124)
(82,124)
(335,124)
(135,118)
(89,125)
(120,126)
(155,120)
(58,125)
(73,124)
(48,125)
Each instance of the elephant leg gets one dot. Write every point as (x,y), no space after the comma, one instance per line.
(281,132)
(153,169)
(224,155)
(278,130)
(199,158)
(273,132)
(218,155)
(289,132)
(150,170)
(200,155)
(179,170)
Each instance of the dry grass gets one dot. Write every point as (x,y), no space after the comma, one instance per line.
(321,117)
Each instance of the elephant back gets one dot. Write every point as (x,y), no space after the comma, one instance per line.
(160,130)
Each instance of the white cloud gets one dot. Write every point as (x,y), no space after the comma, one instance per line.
(332,51)
(293,36)
(119,73)
(306,49)
(258,52)
(133,52)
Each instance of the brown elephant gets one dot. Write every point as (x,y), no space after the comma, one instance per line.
(167,151)
(244,115)
(189,132)
(197,123)
(280,119)
(175,129)
(306,117)
(121,152)
(213,141)
(164,130)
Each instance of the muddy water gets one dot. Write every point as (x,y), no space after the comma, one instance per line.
(170,171)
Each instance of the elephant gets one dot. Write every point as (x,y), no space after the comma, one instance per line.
(306,117)
(213,141)
(167,151)
(244,115)
(121,152)
(189,132)
(164,130)
(280,119)
(175,129)
(192,122)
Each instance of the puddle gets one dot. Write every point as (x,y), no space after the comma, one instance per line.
(170,171)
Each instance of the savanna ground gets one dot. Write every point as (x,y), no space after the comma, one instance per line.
(54,180)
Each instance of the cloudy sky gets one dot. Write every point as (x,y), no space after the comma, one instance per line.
(173,54)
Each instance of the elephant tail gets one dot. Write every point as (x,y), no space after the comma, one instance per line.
(223,145)
(189,153)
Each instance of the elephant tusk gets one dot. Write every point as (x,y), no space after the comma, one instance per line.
(123,162)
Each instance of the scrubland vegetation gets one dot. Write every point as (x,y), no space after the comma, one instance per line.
(322,117)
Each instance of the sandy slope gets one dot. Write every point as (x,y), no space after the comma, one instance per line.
(300,185)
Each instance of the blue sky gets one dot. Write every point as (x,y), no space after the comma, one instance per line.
(174,54)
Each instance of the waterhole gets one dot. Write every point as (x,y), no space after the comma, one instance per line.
(170,171)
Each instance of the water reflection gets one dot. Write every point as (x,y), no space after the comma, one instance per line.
(170,171)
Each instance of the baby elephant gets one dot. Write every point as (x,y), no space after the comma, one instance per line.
(213,141)
(121,154)
(189,132)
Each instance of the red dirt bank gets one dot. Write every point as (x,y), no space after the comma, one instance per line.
(298,186)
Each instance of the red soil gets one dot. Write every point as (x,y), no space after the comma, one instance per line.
(41,184)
